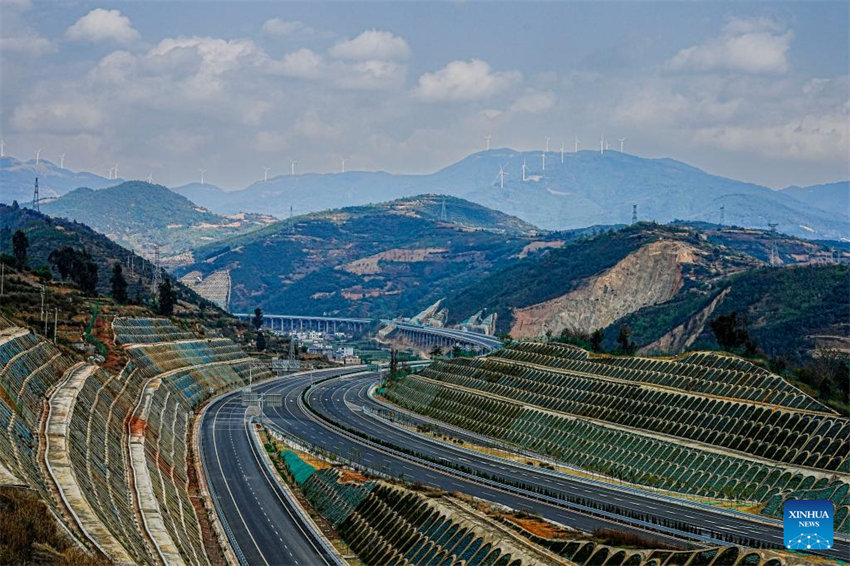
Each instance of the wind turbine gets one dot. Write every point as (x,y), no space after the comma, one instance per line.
(543,157)
(292,167)
(562,152)
(116,170)
(2,148)
(62,161)
(547,143)
(487,139)
(622,141)
(37,156)
(576,149)
(342,169)
(502,177)
(266,174)
(150,177)
(602,145)
(524,178)
(202,175)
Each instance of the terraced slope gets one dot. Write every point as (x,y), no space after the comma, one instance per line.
(109,453)
(387,524)
(181,373)
(703,424)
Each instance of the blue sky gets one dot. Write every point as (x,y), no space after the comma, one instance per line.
(755,91)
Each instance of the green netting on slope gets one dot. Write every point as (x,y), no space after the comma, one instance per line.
(333,500)
(299,469)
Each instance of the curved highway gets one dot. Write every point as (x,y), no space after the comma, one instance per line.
(263,527)
(341,401)
(297,420)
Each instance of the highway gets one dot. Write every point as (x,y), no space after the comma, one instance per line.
(263,527)
(341,401)
(294,418)
(264,519)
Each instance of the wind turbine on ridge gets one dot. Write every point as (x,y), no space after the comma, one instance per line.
(502,177)
(202,175)
(37,156)
(562,152)
(292,167)
(266,174)
(524,168)
(622,141)
(62,161)
(487,140)
(547,143)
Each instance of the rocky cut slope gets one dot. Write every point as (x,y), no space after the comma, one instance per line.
(666,282)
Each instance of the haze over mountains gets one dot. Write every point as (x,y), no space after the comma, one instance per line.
(138,215)
(587,188)
(17,177)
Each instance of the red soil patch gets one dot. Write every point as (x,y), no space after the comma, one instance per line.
(346,475)
(137,426)
(538,527)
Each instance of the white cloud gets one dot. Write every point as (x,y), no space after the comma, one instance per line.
(279,27)
(464,80)
(57,117)
(746,45)
(812,137)
(303,63)
(26,41)
(357,75)
(310,125)
(534,102)
(102,25)
(270,141)
(372,44)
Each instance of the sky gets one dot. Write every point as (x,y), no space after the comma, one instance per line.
(754,91)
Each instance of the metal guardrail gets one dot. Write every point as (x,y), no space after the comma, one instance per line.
(648,491)
(317,535)
(562,503)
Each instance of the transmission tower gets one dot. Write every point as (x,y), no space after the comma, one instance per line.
(35,197)
(774,259)
(443,216)
(634,214)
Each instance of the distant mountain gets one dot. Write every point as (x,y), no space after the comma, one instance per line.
(666,282)
(198,192)
(138,215)
(587,188)
(388,259)
(833,197)
(18,177)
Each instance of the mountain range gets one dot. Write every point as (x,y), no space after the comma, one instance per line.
(378,260)
(139,215)
(587,188)
(572,190)
(18,177)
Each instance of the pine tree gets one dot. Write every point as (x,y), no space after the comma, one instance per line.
(119,284)
(167,298)
(20,244)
